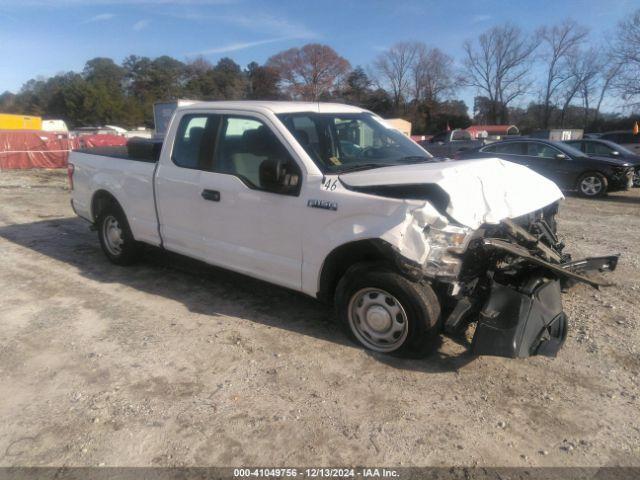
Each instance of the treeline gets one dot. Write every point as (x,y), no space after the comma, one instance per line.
(563,75)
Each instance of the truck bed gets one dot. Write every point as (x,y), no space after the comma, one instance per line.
(137,149)
(128,178)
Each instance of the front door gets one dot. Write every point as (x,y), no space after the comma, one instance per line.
(248,223)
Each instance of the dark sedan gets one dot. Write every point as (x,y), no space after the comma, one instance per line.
(568,167)
(605,148)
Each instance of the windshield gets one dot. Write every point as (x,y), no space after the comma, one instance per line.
(344,142)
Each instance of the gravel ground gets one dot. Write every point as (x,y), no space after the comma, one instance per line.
(174,363)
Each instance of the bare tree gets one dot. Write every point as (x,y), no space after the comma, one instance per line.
(497,65)
(311,71)
(582,69)
(628,54)
(607,77)
(393,69)
(433,75)
(560,42)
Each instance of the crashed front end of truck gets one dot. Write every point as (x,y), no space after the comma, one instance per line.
(509,278)
(483,232)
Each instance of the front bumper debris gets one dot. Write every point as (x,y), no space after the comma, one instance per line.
(517,323)
(515,296)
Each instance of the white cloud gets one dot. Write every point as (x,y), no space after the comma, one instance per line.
(102,17)
(257,22)
(232,47)
(480,18)
(141,25)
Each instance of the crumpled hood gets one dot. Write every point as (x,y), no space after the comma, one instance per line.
(480,191)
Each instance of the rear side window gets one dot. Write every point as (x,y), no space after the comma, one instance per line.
(579,145)
(195,141)
(511,148)
(594,148)
(460,135)
(541,150)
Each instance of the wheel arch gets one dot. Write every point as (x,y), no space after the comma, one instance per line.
(102,199)
(341,258)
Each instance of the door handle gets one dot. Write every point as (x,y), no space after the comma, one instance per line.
(211,195)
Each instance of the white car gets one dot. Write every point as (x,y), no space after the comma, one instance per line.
(329,200)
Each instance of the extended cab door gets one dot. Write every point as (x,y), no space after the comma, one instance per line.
(250,221)
(179,182)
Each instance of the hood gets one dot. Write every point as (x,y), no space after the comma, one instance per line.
(479,191)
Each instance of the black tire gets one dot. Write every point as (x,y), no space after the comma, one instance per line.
(593,178)
(127,251)
(417,302)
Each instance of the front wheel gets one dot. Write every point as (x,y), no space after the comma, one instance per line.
(387,313)
(592,184)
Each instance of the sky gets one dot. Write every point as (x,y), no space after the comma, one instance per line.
(40,38)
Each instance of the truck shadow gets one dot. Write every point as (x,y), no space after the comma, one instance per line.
(202,288)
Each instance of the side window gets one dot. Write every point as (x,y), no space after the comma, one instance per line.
(195,141)
(541,150)
(511,148)
(582,146)
(249,150)
(598,148)
(458,135)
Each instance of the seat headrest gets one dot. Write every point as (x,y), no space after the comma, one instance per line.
(259,142)
(195,134)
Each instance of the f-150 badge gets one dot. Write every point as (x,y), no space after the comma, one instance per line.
(324,204)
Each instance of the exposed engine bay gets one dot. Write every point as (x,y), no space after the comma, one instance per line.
(511,281)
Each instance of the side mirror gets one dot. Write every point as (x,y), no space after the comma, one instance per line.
(278,175)
(561,156)
(615,153)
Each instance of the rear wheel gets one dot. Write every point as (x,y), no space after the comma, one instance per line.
(115,236)
(387,313)
(592,184)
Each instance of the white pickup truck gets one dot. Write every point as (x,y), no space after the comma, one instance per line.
(329,200)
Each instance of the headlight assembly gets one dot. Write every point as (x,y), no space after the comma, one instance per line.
(445,246)
(454,239)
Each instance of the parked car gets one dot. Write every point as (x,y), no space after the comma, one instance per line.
(568,167)
(606,148)
(403,246)
(447,144)
(626,138)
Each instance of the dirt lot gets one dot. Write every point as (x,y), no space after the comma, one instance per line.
(171,362)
